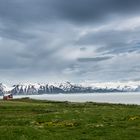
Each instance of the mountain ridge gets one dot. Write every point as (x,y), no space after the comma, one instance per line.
(67,87)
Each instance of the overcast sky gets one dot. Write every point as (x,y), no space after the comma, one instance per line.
(69,40)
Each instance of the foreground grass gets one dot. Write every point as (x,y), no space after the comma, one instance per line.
(27,119)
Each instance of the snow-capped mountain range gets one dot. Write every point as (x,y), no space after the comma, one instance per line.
(67,87)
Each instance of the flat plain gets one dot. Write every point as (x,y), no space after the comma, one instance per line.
(28,119)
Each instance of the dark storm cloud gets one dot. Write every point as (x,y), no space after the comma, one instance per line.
(16,15)
(94,10)
(75,10)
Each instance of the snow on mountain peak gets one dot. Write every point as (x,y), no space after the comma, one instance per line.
(67,87)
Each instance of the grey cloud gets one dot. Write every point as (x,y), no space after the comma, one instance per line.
(42,39)
(112,41)
(96,59)
(82,49)
(15,34)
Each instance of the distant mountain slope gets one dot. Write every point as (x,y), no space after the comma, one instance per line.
(67,87)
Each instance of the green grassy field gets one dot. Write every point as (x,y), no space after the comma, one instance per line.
(27,119)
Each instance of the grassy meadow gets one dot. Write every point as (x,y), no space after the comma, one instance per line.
(26,119)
